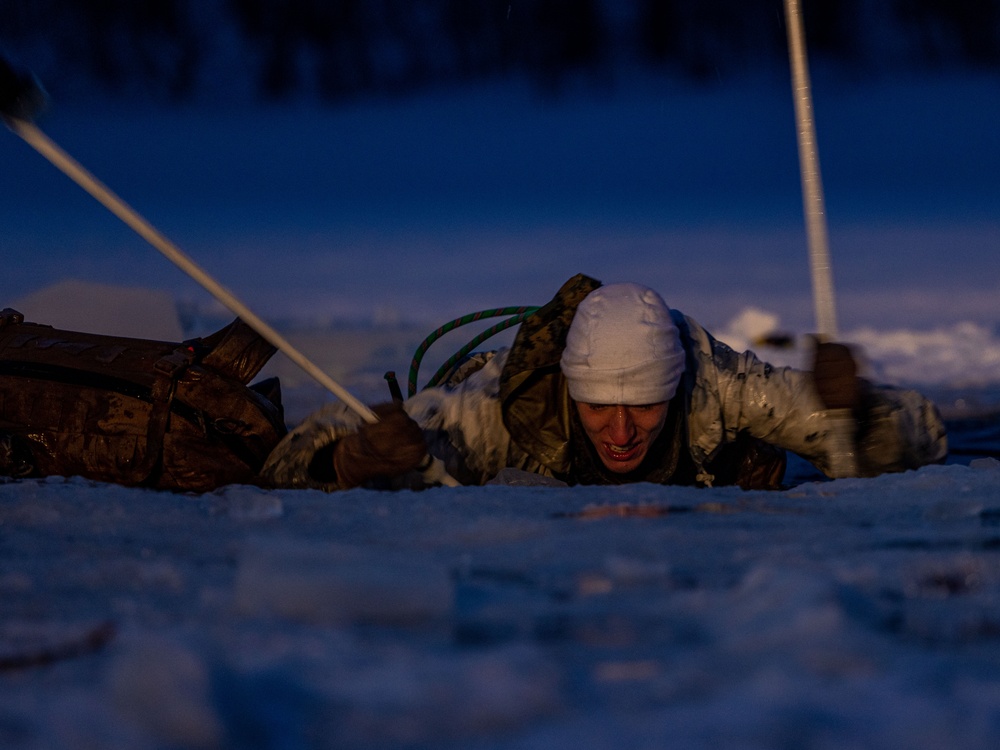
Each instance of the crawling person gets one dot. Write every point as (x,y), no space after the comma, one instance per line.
(608,385)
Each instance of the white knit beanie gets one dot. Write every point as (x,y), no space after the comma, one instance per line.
(623,348)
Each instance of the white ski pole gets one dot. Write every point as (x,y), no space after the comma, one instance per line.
(62,161)
(842,458)
(19,123)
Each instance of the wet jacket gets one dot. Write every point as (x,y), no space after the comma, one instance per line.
(515,412)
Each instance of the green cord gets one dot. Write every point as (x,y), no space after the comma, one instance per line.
(518,313)
(457,356)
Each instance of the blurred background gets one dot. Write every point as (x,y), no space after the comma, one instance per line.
(332,50)
(373,168)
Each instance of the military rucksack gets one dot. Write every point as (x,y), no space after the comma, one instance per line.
(177,416)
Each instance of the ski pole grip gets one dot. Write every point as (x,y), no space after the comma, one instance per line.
(842,457)
(835,377)
(394,390)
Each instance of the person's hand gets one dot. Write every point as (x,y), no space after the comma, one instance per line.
(835,374)
(392,446)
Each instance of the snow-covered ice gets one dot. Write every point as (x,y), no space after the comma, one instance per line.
(853,613)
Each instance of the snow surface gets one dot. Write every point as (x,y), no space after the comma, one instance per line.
(853,613)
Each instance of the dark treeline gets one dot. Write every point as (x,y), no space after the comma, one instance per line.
(338,48)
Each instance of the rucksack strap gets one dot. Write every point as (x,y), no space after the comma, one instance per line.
(168,370)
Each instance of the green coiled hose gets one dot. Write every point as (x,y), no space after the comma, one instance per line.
(517,314)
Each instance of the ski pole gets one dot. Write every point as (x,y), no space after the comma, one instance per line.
(21,98)
(842,456)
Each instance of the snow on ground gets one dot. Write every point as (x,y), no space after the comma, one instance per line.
(853,613)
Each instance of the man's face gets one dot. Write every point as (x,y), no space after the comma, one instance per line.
(622,434)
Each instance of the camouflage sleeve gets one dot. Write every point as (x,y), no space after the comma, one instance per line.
(463,424)
(896,429)
(288,465)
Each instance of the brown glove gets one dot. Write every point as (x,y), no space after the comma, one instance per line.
(392,446)
(835,373)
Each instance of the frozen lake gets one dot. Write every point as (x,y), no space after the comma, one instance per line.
(855,613)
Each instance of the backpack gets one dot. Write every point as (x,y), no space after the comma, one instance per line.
(172,416)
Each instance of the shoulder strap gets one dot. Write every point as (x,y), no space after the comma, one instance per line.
(533,397)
